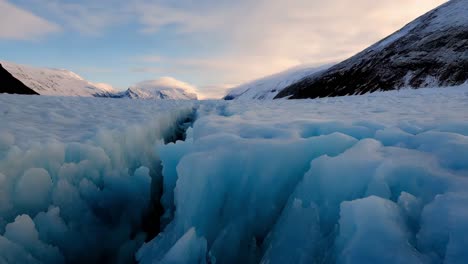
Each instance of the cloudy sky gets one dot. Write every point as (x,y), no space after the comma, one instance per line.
(211,44)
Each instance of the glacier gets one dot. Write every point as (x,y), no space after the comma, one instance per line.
(378,178)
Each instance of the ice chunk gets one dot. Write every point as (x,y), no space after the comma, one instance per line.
(5,197)
(325,128)
(450,148)
(33,190)
(170,155)
(51,227)
(411,206)
(297,233)
(7,140)
(372,230)
(189,249)
(393,136)
(11,253)
(444,228)
(332,180)
(23,232)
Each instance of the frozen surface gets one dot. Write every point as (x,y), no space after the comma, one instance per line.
(380,178)
(365,179)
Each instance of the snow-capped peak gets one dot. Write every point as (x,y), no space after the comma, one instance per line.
(55,82)
(162,88)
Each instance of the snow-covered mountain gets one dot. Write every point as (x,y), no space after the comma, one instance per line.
(55,82)
(430,51)
(163,88)
(268,87)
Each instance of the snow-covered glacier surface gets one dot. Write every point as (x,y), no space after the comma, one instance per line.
(380,178)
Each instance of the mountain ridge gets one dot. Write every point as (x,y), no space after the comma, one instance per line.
(429,51)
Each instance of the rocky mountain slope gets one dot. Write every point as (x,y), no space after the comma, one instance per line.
(11,85)
(430,51)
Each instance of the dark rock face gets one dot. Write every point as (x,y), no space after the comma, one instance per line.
(11,85)
(430,51)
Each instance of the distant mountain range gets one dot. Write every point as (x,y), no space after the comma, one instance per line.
(23,79)
(163,88)
(430,51)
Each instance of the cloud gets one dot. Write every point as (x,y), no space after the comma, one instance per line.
(214,91)
(230,69)
(19,24)
(166,83)
(87,17)
(105,86)
(95,70)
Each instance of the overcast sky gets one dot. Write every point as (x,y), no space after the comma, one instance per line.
(211,44)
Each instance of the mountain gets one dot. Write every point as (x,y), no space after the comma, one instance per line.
(163,88)
(55,82)
(11,85)
(430,51)
(268,87)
